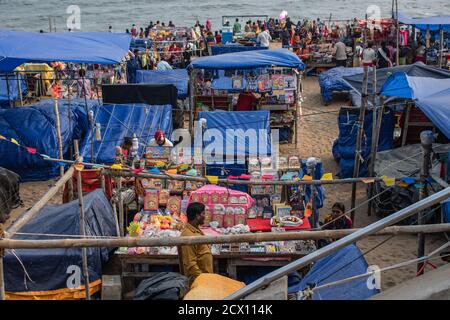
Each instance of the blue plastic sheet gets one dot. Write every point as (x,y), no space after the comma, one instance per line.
(342,264)
(49,269)
(331,80)
(433,23)
(178,77)
(14,91)
(120,121)
(250,60)
(231,128)
(345,145)
(35,126)
(230,48)
(18,47)
(446,211)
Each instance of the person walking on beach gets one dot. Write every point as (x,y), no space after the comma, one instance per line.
(237,27)
(369,56)
(264,38)
(340,54)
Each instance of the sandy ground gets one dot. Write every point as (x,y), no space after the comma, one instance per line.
(315,138)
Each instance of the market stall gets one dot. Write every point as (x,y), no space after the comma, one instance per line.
(253,80)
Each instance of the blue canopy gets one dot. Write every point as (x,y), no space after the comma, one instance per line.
(251,125)
(17,47)
(331,80)
(229,48)
(431,95)
(120,121)
(433,23)
(51,269)
(178,77)
(250,60)
(342,264)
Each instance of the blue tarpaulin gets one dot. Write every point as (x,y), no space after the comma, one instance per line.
(344,145)
(35,126)
(230,48)
(239,133)
(433,23)
(250,60)
(52,269)
(120,121)
(178,77)
(18,47)
(331,80)
(446,211)
(14,92)
(431,95)
(342,264)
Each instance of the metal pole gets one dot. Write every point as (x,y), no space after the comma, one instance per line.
(426,140)
(341,243)
(397,54)
(191,100)
(82,224)
(358,157)
(374,144)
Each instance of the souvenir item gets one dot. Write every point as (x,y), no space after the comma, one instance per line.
(240,216)
(176,186)
(208,215)
(219,209)
(252,84)
(243,200)
(275,198)
(289,82)
(174,205)
(234,200)
(196,197)
(237,82)
(277,81)
(163,196)
(264,83)
(294,162)
(224,198)
(252,213)
(229,210)
(267,212)
(282,163)
(282,210)
(266,163)
(228,220)
(151,200)
(215,198)
(205,198)
(253,165)
(219,219)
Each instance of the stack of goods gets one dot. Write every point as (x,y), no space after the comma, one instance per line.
(224,207)
(275,247)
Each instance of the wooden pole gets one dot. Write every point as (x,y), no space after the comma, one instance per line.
(28,215)
(182,241)
(70,182)
(2,271)
(441,47)
(58,133)
(373,156)
(191,100)
(19,86)
(297,106)
(358,156)
(82,223)
(8,89)
(121,214)
(426,139)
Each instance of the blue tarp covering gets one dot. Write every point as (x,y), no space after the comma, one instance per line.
(124,120)
(433,23)
(432,96)
(221,82)
(230,48)
(250,60)
(178,77)
(35,126)
(50,269)
(446,211)
(344,145)
(14,92)
(225,125)
(331,80)
(342,264)
(17,47)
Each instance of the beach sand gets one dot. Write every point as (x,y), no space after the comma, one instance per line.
(315,138)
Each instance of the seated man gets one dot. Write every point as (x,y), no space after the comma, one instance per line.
(160,140)
(196,259)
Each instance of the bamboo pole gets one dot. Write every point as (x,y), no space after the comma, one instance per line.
(358,157)
(441,47)
(195,240)
(19,86)
(374,144)
(82,223)
(191,100)
(120,200)
(28,215)
(406,124)
(58,133)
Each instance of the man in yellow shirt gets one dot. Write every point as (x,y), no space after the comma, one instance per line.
(196,259)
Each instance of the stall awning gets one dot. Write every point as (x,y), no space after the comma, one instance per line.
(431,95)
(17,47)
(250,60)
(178,77)
(433,23)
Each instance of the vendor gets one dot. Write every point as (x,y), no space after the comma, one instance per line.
(247,101)
(160,140)
(196,259)
(337,219)
(123,151)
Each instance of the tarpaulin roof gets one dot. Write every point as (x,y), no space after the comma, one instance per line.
(51,269)
(118,121)
(342,264)
(35,126)
(234,47)
(433,23)
(225,125)
(431,95)
(250,60)
(178,77)
(331,80)
(18,47)
(417,69)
